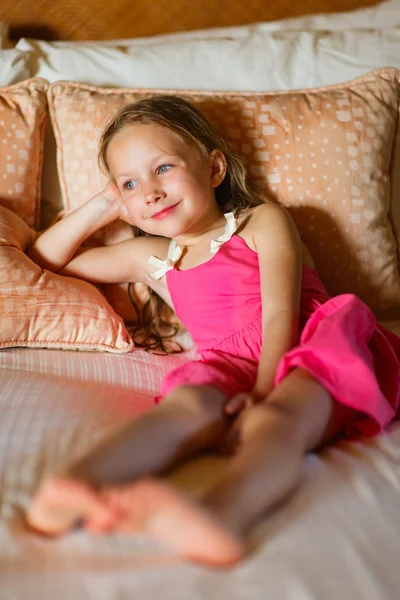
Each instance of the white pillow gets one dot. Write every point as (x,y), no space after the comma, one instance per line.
(14,66)
(262,61)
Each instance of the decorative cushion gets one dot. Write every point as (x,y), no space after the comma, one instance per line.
(23,109)
(325,154)
(42,309)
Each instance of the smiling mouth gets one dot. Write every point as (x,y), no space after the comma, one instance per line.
(165,211)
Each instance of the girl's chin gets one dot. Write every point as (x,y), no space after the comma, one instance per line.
(166,229)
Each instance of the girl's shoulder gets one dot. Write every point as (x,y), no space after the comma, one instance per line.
(152,244)
(270,221)
(140,248)
(263,218)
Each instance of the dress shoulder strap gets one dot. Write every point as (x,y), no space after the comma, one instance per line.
(230,228)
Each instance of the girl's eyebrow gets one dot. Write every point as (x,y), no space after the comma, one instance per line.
(154,160)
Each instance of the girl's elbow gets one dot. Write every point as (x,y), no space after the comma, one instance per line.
(34,255)
(39,259)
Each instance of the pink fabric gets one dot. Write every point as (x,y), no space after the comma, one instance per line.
(341,344)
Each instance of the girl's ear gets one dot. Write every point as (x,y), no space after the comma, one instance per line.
(218,167)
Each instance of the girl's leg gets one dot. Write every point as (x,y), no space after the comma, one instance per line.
(190,419)
(299,416)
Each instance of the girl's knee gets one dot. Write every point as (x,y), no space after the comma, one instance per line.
(305,405)
(199,398)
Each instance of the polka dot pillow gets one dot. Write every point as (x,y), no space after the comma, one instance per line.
(325,154)
(23,108)
(42,309)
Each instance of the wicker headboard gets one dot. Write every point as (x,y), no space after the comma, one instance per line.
(108,19)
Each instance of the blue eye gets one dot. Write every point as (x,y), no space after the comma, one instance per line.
(164,168)
(130,185)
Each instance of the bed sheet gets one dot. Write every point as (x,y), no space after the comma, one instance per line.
(337,537)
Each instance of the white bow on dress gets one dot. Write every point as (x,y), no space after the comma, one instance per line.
(174,254)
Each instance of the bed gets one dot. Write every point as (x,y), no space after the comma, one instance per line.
(69,371)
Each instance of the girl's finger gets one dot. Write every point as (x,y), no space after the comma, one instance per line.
(236,404)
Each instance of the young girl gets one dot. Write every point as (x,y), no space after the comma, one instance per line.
(235,271)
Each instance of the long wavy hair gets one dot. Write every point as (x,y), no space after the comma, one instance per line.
(155,327)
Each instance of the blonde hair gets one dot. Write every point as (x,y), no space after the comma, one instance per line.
(236,193)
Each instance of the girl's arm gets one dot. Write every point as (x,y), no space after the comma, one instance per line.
(279,251)
(57,245)
(57,249)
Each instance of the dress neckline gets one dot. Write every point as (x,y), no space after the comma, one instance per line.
(175,251)
(233,238)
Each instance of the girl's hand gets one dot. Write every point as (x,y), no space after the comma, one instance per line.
(237,404)
(57,246)
(112,203)
(234,410)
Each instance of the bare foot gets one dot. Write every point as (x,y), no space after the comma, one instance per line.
(158,510)
(61,503)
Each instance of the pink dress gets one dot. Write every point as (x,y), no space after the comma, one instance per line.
(341,345)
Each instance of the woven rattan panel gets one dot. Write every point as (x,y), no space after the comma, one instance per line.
(107,19)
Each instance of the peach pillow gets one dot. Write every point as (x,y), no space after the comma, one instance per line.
(324,153)
(41,309)
(23,110)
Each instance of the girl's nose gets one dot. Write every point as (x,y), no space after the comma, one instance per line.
(153,194)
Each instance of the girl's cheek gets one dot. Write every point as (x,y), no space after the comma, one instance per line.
(133,212)
(130,218)
(128,201)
